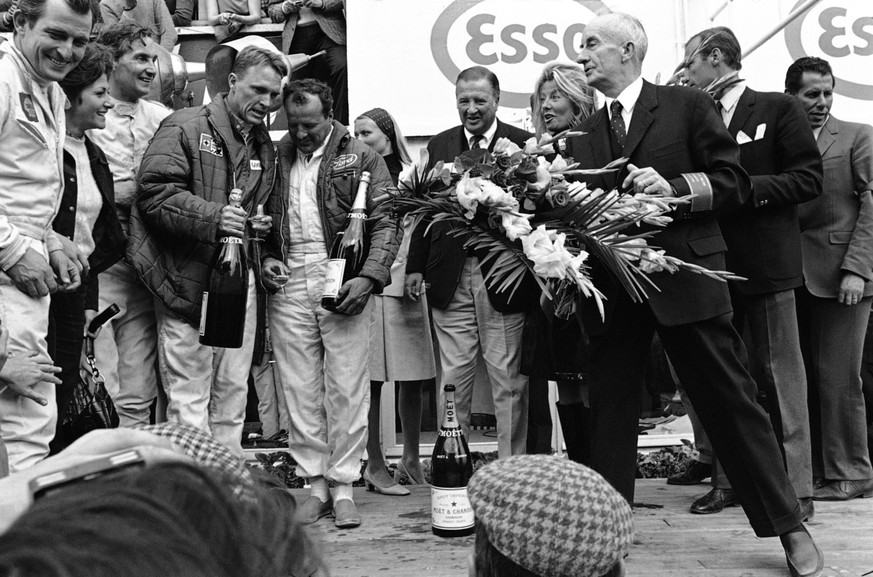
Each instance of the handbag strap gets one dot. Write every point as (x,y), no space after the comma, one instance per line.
(91,360)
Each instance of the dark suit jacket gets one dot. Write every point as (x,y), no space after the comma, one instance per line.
(837,227)
(677,131)
(439,255)
(763,236)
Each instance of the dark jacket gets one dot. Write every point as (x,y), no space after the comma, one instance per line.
(109,239)
(440,256)
(184,181)
(338,177)
(678,132)
(763,236)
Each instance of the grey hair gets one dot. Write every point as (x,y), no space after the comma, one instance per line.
(623,28)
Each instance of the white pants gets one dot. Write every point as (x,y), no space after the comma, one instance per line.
(126,348)
(322,359)
(207,387)
(469,323)
(26,426)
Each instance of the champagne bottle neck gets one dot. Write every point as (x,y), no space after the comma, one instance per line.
(450,417)
(360,203)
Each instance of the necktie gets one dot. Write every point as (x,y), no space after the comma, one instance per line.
(617,124)
(721,110)
(476,141)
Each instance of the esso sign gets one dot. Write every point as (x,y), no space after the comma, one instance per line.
(841,32)
(512,38)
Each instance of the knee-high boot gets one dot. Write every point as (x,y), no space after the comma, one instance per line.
(575,424)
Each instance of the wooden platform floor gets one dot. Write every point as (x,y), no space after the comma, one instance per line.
(395,539)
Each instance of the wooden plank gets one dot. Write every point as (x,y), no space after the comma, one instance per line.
(395,539)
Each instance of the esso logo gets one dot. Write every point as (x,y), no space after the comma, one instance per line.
(512,38)
(841,32)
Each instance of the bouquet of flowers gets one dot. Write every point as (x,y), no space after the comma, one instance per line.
(529,214)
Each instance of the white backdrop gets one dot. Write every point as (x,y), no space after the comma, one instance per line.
(404,54)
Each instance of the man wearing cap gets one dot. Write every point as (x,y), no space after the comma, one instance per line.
(591,525)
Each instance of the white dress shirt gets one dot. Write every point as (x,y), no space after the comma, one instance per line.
(628,98)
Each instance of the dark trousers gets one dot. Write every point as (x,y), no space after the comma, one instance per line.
(330,68)
(65,338)
(706,356)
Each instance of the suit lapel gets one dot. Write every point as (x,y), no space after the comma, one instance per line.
(642,118)
(598,139)
(742,112)
(828,135)
(500,132)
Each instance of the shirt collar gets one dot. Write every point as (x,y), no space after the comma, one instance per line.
(732,96)
(241,126)
(817,131)
(628,97)
(125,108)
(488,134)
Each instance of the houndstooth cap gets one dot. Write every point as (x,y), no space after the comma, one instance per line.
(552,516)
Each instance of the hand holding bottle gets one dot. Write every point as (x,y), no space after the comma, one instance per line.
(232,221)
(353,295)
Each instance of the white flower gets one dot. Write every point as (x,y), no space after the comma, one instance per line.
(545,248)
(544,178)
(505,146)
(654,261)
(467,191)
(531,146)
(516,225)
(558,165)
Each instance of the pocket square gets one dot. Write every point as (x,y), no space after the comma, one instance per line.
(743,138)
(759,132)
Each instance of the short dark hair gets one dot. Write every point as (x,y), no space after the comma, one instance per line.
(479,73)
(32,10)
(723,38)
(492,563)
(794,74)
(119,37)
(166,519)
(96,62)
(297,90)
(252,56)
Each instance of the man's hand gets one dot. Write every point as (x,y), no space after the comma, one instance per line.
(33,275)
(67,271)
(232,221)
(261,225)
(646,180)
(413,285)
(71,249)
(354,294)
(274,274)
(851,289)
(21,374)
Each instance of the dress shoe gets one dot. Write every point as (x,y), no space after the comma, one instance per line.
(844,490)
(715,501)
(313,509)
(393,489)
(404,473)
(791,551)
(807,508)
(345,514)
(694,473)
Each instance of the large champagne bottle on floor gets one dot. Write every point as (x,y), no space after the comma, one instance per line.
(349,249)
(223,312)
(451,468)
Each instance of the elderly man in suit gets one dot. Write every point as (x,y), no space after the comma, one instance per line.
(678,145)
(466,318)
(763,240)
(834,304)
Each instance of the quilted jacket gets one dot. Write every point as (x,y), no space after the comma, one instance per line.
(184,181)
(338,177)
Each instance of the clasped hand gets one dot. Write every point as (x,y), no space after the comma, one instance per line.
(646,180)
(35,276)
(232,222)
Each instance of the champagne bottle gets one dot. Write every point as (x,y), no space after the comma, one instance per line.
(349,249)
(223,311)
(452,467)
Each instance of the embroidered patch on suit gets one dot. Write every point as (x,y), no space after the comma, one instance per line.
(208,144)
(28,107)
(344,160)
